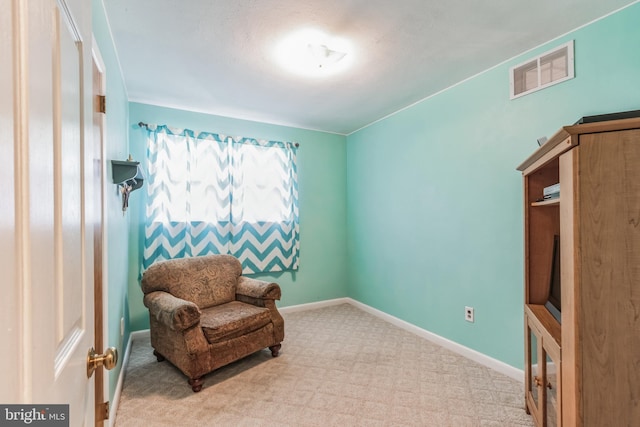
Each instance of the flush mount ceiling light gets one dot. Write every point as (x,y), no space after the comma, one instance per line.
(325,56)
(313,53)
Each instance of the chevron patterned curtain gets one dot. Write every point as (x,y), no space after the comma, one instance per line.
(212,194)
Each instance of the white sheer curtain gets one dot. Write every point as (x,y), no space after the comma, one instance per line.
(211,194)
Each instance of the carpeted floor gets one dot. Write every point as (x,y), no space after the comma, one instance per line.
(339,366)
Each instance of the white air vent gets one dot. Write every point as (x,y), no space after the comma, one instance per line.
(551,67)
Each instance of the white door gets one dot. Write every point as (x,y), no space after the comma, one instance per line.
(46,229)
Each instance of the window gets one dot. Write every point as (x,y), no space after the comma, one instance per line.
(210,194)
(546,70)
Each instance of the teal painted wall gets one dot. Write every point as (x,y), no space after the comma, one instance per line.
(322,201)
(434,214)
(116,225)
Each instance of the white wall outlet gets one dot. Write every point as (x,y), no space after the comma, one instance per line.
(468,314)
(122,326)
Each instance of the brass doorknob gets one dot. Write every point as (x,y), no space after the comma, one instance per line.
(109,360)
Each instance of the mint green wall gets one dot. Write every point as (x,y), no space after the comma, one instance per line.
(116,226)
(322,201)
(434,201)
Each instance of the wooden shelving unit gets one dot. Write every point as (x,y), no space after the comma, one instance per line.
(584,370)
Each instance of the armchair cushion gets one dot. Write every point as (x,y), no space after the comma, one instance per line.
(233,319)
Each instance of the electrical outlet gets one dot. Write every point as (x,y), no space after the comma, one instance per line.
(122,326)
(468,314)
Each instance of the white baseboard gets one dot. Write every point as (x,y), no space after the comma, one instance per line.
(314,305)
(476,356)
(113,407)
(136,335)
(113,410)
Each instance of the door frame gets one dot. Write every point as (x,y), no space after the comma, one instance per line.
(101,305)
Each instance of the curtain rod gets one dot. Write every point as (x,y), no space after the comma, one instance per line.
(146,125)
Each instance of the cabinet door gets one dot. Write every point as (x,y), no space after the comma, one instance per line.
(552,374)
(543,376)
(534,373)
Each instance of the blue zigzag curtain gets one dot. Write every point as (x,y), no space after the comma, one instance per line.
(212,194)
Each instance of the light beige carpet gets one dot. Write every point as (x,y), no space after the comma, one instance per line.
(339,366)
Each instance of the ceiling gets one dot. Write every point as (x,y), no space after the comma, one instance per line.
(216,56)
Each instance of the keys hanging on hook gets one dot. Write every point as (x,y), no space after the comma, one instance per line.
(126,190)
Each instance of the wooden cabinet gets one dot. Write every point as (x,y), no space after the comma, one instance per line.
(585,369)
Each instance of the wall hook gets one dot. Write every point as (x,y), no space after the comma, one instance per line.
(128,176)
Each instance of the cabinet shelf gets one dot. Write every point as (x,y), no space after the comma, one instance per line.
(550,202)
(544,320)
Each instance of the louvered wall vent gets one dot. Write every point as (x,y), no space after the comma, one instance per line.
(551,67)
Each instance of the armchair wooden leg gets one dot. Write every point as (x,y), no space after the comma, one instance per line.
(275,349)
(196,384)
(158,356)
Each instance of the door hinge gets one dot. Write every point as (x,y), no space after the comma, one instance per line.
(102,104)
(103,410)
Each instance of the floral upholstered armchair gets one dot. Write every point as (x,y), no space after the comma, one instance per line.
(204,314)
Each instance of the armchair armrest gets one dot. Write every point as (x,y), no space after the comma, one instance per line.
(258,289)
(175,313)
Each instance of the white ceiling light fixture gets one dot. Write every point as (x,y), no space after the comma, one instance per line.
(313,53)
(325,56)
